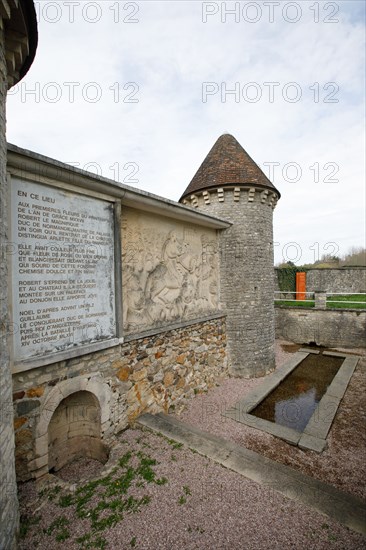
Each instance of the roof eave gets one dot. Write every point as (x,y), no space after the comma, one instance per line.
(40,168)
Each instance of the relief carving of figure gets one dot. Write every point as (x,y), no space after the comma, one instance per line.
(133,266)
(179,282)
(208,275)
(164,282)
(133,298)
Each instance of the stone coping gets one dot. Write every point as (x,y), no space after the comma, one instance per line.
(69,353)
(315,433)
(331,310)
(173,326)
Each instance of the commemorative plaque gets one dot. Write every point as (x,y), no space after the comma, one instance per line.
(62,269)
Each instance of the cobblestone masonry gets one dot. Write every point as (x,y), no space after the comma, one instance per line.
(246,274)
(326,328)
(8,493)
(149,374)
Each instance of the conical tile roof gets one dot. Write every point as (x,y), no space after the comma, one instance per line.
(227,164)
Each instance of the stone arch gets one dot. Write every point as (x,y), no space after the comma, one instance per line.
(94,385)
(74,431)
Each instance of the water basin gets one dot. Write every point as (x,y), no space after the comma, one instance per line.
(294,401)
(298,401)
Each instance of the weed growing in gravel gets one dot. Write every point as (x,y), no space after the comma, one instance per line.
(59,525)
(65,500)
(87,541)
(50,492)
(186,490)
(26,523)
(331,536)
(102,502)
(175,444)
(315,534)
(172,442)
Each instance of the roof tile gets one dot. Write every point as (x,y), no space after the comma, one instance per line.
(227,164)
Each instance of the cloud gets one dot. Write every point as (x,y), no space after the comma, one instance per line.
(129,88)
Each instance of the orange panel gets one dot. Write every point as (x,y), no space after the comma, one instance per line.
(301,285)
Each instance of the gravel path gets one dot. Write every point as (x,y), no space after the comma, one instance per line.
(201,506)
(185,501)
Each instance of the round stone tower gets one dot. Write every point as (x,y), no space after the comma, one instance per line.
(230,185)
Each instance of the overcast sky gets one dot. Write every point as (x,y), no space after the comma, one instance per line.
(140,91)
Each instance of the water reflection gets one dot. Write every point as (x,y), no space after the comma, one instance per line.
(293,402)
(295,413)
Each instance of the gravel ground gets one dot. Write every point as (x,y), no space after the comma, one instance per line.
(174,498)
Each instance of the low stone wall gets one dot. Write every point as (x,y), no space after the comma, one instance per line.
(337,280)
(146,374)
(345,328)
(351,279)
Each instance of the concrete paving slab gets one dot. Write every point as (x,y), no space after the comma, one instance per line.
(322,497)
(322,418)
(305,350)
(335,354)
(337,389)
(208,444)
(341,380)
(311,443)
(351,362)
(351,359)
(289,435)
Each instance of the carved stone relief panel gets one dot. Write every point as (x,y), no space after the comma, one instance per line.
(169,271)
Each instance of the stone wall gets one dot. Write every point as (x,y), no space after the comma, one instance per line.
(351,279)
(328,328)
(75,431)
(246,274)
(151,373)
(337,280)
(8,492)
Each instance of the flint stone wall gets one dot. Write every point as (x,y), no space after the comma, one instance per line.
(151,373)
